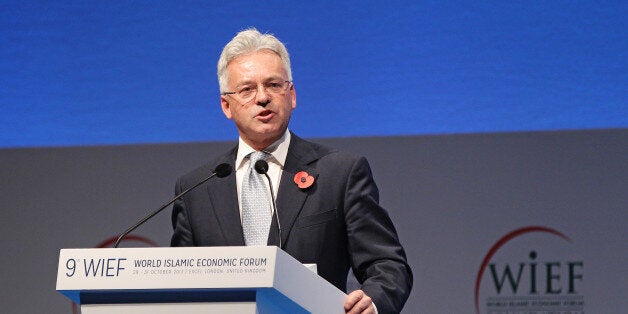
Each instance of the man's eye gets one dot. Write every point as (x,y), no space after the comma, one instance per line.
(274,84)
(245,89)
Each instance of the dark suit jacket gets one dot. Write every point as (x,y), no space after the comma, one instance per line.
(336,223)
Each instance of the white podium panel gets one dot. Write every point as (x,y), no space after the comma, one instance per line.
(260,279)
(169,308)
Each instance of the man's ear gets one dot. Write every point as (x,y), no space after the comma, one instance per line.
(293,96)
(226,108)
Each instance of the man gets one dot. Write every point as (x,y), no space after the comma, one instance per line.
(327,202)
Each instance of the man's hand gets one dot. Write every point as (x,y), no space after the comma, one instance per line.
(357,302)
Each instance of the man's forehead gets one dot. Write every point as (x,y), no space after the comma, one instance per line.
(264,64)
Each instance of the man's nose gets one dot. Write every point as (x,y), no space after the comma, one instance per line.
(262,97)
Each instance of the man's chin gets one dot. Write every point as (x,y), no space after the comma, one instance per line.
(269,130)
(266,136)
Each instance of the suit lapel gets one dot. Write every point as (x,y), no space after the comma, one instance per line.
(224,202)
(290,198)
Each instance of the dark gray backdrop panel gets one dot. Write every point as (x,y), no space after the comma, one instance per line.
(451,198)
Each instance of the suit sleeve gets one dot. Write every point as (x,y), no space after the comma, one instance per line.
(377,257)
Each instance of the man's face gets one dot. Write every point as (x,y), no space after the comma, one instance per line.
(264,119)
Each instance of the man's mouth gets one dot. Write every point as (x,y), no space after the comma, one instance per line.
(265,116)
(264,113)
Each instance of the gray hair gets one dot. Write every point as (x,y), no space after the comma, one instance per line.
(246,41)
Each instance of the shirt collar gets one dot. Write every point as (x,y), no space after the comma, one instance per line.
(278,150)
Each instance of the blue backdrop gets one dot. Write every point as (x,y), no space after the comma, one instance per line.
(105,72)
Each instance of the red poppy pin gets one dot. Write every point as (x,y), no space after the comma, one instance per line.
(303,180)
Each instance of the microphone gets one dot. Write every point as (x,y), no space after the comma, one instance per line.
(261,166)
(220,171)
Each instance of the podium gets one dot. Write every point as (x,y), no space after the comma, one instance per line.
(261,279)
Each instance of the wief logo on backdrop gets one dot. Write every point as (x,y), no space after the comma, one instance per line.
(533,269)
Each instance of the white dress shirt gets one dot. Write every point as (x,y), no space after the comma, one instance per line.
(278,151)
